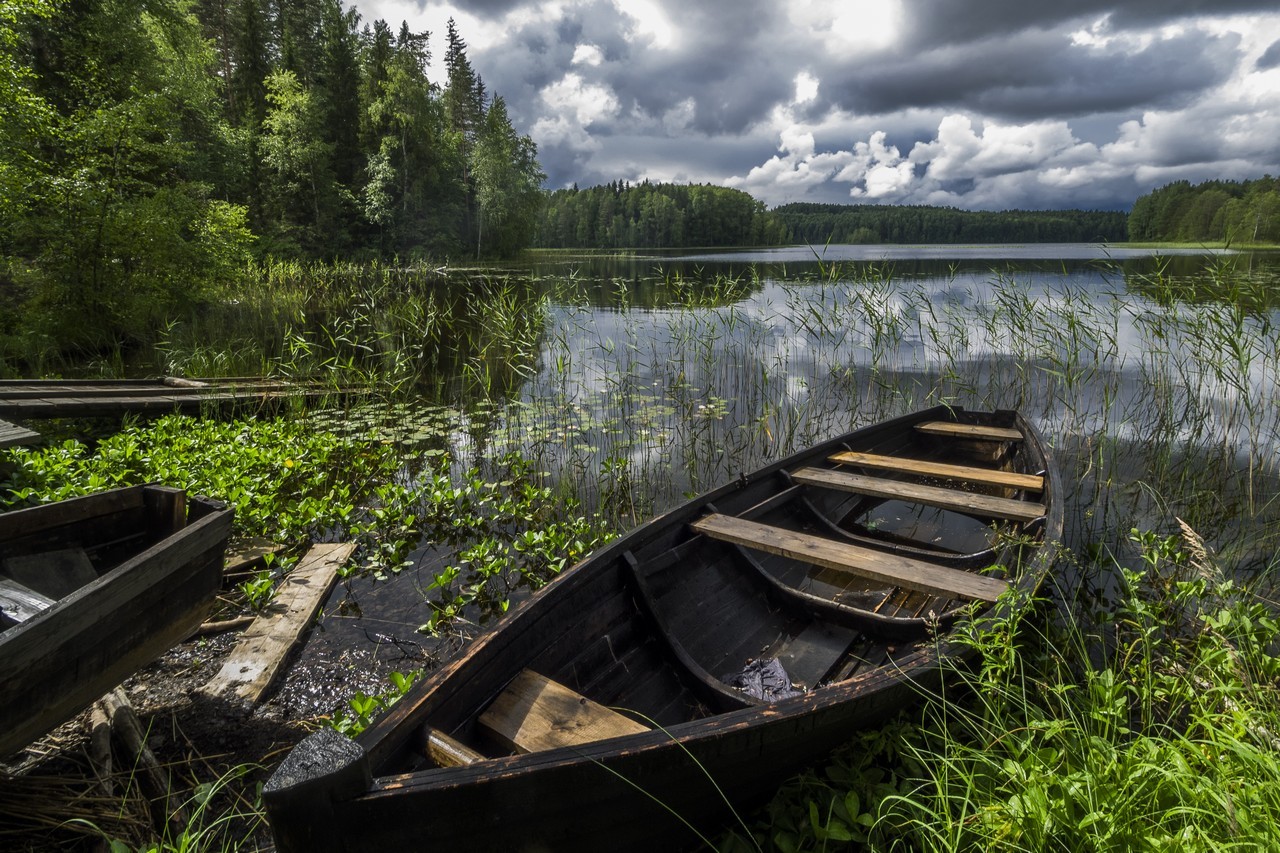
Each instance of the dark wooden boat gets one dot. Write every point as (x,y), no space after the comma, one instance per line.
(600,714)
(93,588)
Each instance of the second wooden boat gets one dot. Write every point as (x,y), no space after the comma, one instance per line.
(92,589)
(703,658)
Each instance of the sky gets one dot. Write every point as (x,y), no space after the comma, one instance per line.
(977,104)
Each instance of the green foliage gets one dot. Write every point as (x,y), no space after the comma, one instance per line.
(285,479)
(1235,212)
(818,224)
(362,709)
(146,154)
(656,216)
(1164,739)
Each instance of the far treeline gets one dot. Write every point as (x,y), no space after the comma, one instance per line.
(868,223)
(655,216)
(1212,212)
(671,216)
(149,151)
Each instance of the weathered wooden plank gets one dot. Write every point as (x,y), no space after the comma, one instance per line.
(814,652)
(936,496)
(445,751)
(882,566)
(926,468)
(259,656)
(12,435)
(955,430)
(20,603)
(52,573)
(535,713)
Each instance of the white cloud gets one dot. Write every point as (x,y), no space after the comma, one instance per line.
(651,22)
(573,104)
(587,54)
(806,87)
(864,25)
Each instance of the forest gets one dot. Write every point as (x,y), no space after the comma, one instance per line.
(150,149)
(871,223)
(1230,212)
(655,216)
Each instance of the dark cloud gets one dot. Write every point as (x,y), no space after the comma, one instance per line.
(1082,102)
(1040,75)
(933,22)
(1270,58)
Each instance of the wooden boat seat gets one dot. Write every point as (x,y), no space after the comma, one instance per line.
(955,430)
(952,499)
(535,713)
(945,471)
(881,566)
(19,603)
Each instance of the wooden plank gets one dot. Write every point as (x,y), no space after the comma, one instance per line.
(815,651)
(936,496)
(445,751)
(12,435)
(955,430)
(259,656)
(925,468)
(52,573)
(535,713)
(878,565)
(19,603)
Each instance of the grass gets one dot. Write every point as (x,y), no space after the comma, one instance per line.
(1147,725)
(521,421)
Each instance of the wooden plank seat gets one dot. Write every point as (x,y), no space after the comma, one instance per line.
(976,431)
(19,603)
(942,470)
(880,566)
(535,713)
(951,499)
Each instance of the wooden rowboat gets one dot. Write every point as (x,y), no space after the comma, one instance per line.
(93,588)
(599,714)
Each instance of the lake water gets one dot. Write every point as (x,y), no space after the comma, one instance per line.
(636,381)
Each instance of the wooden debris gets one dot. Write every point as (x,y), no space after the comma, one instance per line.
(221,626)
(127,732)
(100,748)
(258,658)
(249,556)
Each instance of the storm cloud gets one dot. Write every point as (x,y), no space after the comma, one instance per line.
(1003,103)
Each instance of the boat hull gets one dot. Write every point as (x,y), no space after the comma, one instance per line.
(170,555)
(664,786)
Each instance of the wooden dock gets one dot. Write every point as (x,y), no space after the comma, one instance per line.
(24,399)
(12,435)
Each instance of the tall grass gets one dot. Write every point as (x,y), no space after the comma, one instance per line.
(1148,725)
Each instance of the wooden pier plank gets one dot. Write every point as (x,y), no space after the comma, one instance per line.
(90,398)
(840,556)
(12,435)
(257,659)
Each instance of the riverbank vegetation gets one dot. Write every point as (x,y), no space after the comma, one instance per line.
(1221,212)
(150,151)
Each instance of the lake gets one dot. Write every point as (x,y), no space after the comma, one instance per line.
(635,381)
